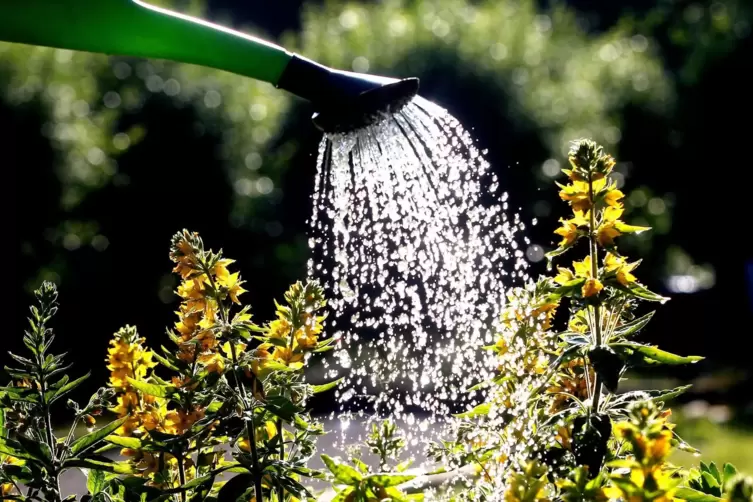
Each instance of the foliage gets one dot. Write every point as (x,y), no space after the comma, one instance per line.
(231,382)
(553,424)
(584,439)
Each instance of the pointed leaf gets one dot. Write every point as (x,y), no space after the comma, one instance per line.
(633,326)
(235,487)
(125,442)
(667,394)
(91,439)
(481,410)
(691,495)
(116,467)
(644,293)
(730,471)
(65,389)
(628,229)
(386,480)
(318,389)
(282,407)
(152,389)
(95,481)
(654,355)
(343,473)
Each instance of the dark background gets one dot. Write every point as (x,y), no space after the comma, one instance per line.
(104,239)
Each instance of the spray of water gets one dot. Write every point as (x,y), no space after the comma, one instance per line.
(413,237)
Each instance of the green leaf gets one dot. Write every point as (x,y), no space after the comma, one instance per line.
(90,440)
(37,449)
(691,495)
(65,389)
(654,355)
(629,229)
(480,410)
(282,407)
(608,366)
(710,484)
(95,481)
(318,389)
(343,473)
(386,480)
(667,394)
(116,467)
(325,345)
(165,362)
(235,487)
(270,365)
(730,471)
(633,326)
(152,389)
(714,470)
(125,442)
(25,394)
(645,294)
(14,449)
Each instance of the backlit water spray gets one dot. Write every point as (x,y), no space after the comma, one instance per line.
(413,238)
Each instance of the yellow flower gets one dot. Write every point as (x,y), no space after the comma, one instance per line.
(591,287)
(569,228)
(607,230)
(578,193)
(619,266)
(613,196)
(279,328)
(126,404)
(179,421)
(220,268)
(261,356)
(213,363)
(544,314)
(232,284)
(288,356)
(564,275)
(305,341)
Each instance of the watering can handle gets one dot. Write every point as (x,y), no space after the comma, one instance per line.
(135,28)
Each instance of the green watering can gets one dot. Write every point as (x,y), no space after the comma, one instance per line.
(344,101)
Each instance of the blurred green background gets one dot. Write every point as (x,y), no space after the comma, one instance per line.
(108,157)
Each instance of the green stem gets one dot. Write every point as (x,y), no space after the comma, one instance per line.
(249,428)
(50,435)
(182,477)
(594,254)
(282,453)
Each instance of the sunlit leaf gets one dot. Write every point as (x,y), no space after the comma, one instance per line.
(318,389)
(91,439)
(343,473)
(152,389)
(480,410)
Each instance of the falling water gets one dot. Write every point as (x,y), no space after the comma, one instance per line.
(413,238)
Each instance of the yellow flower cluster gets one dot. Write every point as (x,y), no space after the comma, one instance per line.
(646,475)
(127,358)
(296,332)
(597,212)
(205,283)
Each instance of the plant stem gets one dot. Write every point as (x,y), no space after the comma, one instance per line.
(249,428)
(594,254)
(42,380)
(282,453)
(182,477)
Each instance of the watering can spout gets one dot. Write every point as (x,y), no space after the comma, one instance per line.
(135,28)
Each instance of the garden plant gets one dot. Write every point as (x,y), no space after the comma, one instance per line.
(220,412)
